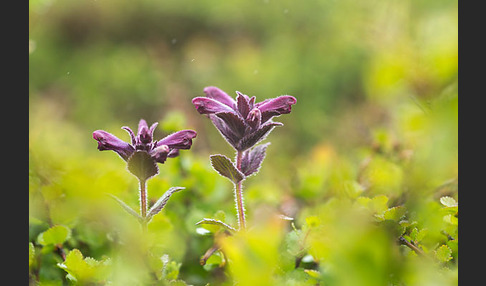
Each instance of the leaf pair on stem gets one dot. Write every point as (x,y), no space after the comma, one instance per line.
(155,209)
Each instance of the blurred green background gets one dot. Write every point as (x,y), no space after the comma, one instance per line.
(375,126)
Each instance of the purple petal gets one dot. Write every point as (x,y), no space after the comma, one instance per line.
(206,105)
(173,153)
(254,118)
(132,135)
(178,140)
(160,153)
(219,95)
(242,104)
(108,141)
(276,106)
(251,102)
(152,128)
(143,132)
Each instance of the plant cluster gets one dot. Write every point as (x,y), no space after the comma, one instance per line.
(364,213)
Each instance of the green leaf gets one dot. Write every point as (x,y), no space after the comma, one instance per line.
(31,254)
(394,213)
(172,270)
(142,165)
(451,219)
(216,258)
(216,222)
(443,253)
(377,204)
(84,270)
(313,273)
(226,168)
(312,221)
(448,201)
(417,235)
(55,235)
(127,208)
(160,203)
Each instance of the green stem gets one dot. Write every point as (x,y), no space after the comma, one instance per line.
(239,195)
(143,203)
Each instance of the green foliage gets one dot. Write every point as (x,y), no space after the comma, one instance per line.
(142,165)
(84,270)
(366,164)
(226,168)
(55,235)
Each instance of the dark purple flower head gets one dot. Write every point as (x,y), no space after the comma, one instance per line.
(143,141)
(243,123)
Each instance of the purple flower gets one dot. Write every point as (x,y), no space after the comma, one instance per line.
(243,123)
(143,141)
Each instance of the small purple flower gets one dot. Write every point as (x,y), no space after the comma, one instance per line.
(243,123)
(143,141)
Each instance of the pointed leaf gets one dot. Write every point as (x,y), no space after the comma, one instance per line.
(252,159)
(127,208)
(142,165)
(216,222)
(242,104)
(226,168)
(160,203)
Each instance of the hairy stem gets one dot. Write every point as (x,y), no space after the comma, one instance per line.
(143,202)
(239,195)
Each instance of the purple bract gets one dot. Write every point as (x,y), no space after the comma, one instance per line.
(243,123)
(143,141)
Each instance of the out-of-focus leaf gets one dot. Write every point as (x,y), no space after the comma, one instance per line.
(377,204)
(31,254)
(173,271)
(443,253)
(394,213)
(417,235)
(312,221)
(214,260)
(85,270)
(55,235)
(451,219)
(226,168)
(448,201)
(312,273)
